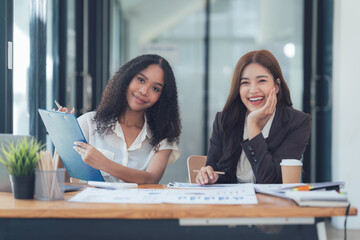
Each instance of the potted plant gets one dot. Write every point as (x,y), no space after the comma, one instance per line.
(21,160)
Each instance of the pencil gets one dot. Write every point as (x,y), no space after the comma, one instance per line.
(221,173)
(57,104)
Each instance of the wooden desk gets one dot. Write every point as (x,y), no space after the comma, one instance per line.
(47,216)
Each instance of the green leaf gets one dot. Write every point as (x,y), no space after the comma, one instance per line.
(21,159)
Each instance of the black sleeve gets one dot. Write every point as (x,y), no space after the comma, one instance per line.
(216,150)
(266,165)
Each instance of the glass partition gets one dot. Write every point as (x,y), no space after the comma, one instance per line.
(240,26)
(21,48)
(176,30)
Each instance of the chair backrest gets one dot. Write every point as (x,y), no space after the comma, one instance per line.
(195,163)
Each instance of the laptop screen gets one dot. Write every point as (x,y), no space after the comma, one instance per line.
(5,185)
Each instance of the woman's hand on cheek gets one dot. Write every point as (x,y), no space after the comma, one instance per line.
(91,155)
(257,119)
(265,112)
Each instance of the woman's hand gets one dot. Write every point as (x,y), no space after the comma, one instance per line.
(91,155)
(65,109)
(257,119)
(206,175)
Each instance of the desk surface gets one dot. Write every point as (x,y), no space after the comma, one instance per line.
(267,206)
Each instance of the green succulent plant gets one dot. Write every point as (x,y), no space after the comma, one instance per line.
(22,158)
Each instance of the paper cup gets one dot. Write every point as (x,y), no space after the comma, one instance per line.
(291,170)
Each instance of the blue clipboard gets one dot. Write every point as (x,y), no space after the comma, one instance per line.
(64,130)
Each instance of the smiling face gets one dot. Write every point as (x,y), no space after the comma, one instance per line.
(145,88)
(256,83)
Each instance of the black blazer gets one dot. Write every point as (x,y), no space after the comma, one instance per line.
(288,137)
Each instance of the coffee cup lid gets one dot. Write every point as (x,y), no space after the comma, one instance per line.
(291,162)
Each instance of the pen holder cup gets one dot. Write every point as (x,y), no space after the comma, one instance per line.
(49,184)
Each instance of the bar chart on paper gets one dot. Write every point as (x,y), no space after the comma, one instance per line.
(236,195)
(241,194)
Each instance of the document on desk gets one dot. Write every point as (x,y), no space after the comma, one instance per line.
(100,195)
(112,185)
(242,194)
(197,186)
(239,194)
(277,190)
(265,188)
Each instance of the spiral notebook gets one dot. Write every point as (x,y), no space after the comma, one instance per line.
(64,130)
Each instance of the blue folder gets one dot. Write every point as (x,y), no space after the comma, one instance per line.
(64,130)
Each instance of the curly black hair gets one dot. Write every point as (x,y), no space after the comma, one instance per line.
(163,117)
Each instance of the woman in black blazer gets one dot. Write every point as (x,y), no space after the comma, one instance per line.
(258,126)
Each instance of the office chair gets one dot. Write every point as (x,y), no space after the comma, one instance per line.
(195,163)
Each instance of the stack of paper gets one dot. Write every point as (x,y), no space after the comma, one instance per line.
(311,195)
(318,198)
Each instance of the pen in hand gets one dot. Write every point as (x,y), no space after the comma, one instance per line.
(57,104)
(220,173)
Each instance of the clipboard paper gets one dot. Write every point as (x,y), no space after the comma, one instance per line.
(64,130)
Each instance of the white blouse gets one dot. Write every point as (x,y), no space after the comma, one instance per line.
(244,171)
(113,146)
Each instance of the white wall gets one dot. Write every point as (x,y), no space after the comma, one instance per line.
(346,109)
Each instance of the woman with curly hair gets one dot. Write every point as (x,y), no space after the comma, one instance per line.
(258,126)
(133,134)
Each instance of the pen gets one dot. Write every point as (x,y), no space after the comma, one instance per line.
(57,104)
(221,173)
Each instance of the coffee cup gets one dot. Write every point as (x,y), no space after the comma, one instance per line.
(291,170)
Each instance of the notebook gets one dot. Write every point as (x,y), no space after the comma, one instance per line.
(64,130)
(318,198)
(320,194)
(5,185)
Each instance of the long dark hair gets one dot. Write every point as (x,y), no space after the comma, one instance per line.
(162,118)
(233,114)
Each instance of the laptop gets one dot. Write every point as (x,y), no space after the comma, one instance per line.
(5,185)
